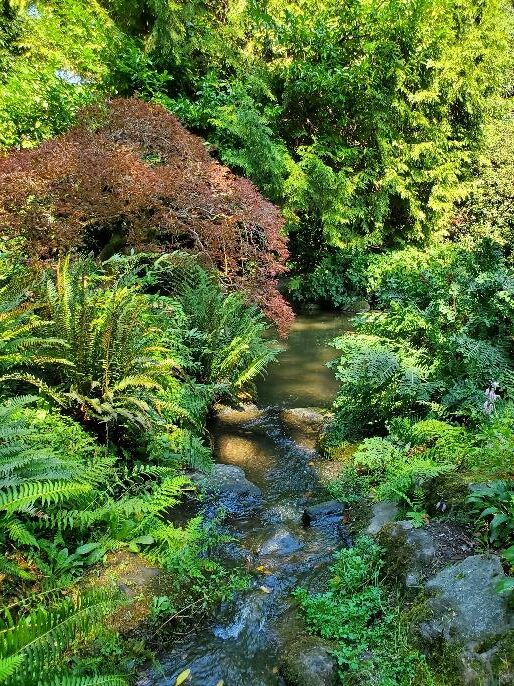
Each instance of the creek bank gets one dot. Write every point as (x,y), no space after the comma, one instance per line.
(459,616)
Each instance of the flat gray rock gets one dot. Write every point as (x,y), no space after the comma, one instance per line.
(383,512)
(309,662)
(465,605)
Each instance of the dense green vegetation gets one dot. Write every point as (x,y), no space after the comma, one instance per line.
(138,278)
(125,358)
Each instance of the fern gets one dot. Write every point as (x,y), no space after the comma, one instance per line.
(23,497)
(379,380)
(30,644)
(8,665)
(87,681)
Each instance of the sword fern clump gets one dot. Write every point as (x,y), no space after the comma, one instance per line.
(117,363)
(34,636)
(227,336)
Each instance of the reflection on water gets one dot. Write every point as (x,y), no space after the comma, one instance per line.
(300,377)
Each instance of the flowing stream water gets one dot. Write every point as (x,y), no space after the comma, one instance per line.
(276,449)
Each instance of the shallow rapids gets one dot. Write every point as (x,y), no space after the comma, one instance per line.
(274,444)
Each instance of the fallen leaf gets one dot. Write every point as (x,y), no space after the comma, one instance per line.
(275,670)
(264,589)
(220,683)
(262,570)
(183,676)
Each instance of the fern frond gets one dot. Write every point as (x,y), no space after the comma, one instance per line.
(8,665)
(87,681)
(22,497)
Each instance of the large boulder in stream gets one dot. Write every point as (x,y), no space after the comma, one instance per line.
(226,486)
(235,416)
(307,419)
(305,424)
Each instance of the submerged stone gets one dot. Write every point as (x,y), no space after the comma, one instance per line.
(323,514)
(246,412)
(281,543)
(229,488)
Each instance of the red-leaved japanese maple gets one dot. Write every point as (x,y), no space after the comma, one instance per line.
(130,175)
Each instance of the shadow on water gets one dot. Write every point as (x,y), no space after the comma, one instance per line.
(243,645)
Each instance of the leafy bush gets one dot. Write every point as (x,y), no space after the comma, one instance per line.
(491,454)
(450,304)
(375,455)
(359,616)
(399,472)
(495,503)
(379,380)
(338,280)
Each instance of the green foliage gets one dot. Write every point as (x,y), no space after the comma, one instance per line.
(226,334)
(379,380)
(491,454)
(371,643)
(51,72)
(57,57)
(24,341)
(34,639)
(495,503)
(392,469)
(384,156)
(444,323)
(116,366)
(488,209)
(337,280)
(375,455)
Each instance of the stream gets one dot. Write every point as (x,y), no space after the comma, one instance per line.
(274,443)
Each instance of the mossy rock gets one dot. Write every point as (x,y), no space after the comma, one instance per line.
(398,554)
(308,661)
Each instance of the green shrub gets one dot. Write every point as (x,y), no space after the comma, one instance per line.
(338,280)
(371,644)
(379,380)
